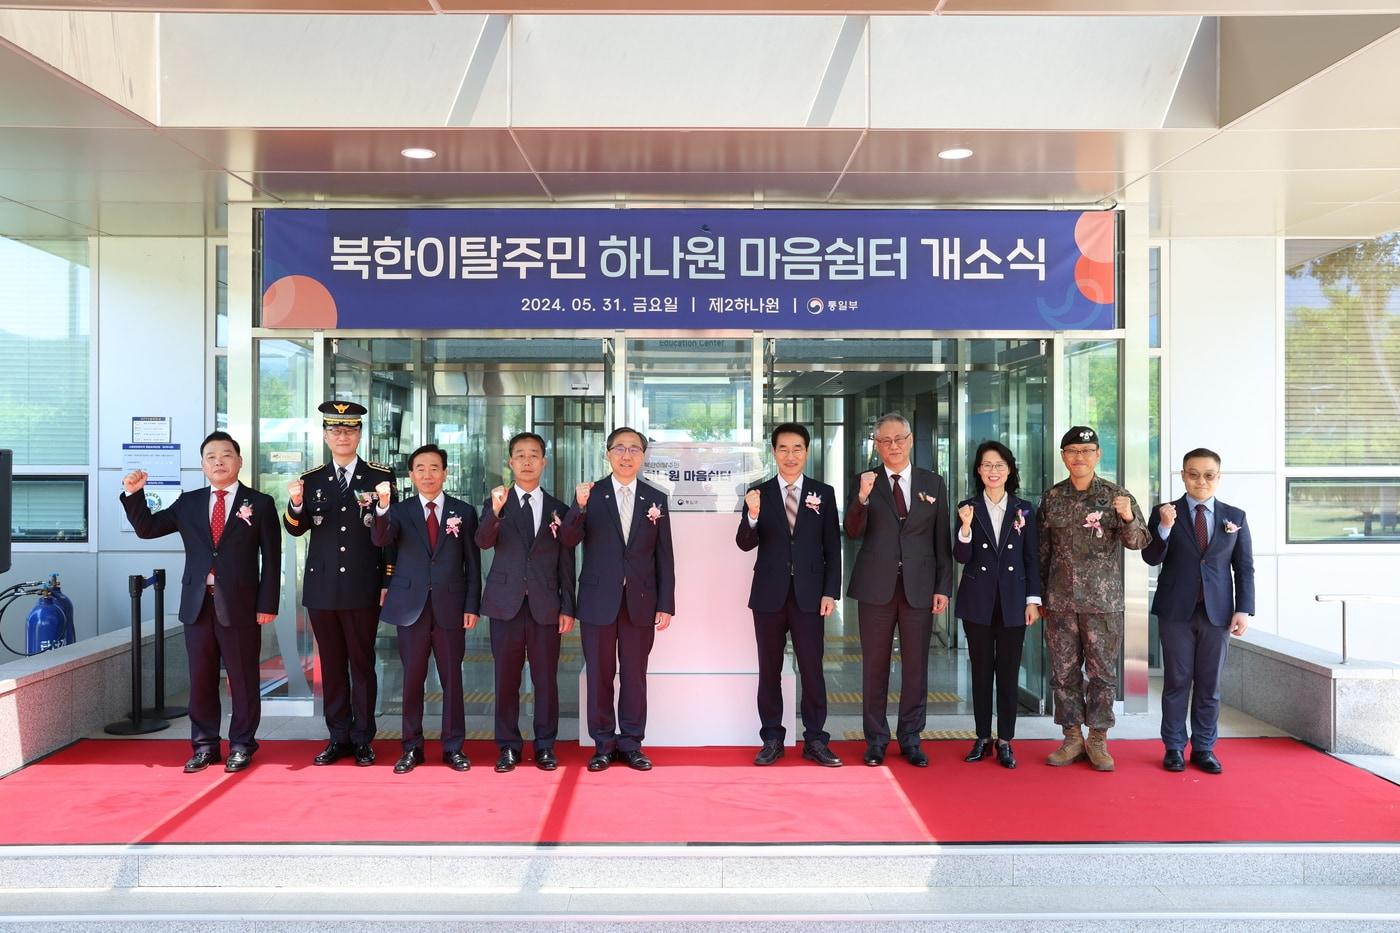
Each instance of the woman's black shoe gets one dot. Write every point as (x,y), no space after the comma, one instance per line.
(1004,756)
(979,750)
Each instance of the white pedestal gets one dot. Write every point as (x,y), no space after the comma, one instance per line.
(702,679)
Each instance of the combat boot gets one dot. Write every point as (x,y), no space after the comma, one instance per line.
(1097,748)
(1071,751)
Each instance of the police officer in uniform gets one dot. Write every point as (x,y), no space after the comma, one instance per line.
(1084,523)
(341,587)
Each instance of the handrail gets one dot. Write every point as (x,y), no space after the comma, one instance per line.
(1345,598)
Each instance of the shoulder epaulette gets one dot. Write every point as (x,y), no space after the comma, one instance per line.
(321,466)
(379,466)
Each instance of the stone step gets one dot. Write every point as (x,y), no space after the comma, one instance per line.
(672,869)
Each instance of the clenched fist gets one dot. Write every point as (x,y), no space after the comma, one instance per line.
(382,491)
(867,484)
(498,499)
(751,502)
(294,492)
(134,482)
(965,514)
(581,492)
(1166,514)
(1124,507)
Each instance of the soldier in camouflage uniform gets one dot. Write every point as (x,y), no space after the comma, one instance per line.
(1082,524)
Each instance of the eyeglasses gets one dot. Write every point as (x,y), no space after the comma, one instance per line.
(892,441)
(342,432)
(1079,451)
(632,451)
(994,468)
(1194,477)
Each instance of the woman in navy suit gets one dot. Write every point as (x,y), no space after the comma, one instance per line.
(999,595)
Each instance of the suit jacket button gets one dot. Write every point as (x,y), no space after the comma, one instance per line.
(342,527)
(342,508)
(1011,547)
(1008,568)
(342,548)
(984,568)
(342,569)
(984,543)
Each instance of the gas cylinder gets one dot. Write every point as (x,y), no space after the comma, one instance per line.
(66,604)
(46,626)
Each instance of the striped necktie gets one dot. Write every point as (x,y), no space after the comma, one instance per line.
(791,505)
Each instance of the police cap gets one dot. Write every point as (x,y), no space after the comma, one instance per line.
(341,414)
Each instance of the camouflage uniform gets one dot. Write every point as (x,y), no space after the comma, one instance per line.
(1083,592)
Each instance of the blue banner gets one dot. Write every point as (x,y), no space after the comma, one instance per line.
(564,269)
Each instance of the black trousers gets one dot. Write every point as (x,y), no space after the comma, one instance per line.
(207,643)
(771,630)
(994,650)
(512,642)
(345,644)
(447,643)
(1193,658)
(619,645)
(877,627)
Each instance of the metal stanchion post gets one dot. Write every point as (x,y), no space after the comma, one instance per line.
(136,723)
(160,710)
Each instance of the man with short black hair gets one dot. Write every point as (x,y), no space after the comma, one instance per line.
(434,596)
(1205,594)
(791,520)
(626,594)
(230,586)
(529,598)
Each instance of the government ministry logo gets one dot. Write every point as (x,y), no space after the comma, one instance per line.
(815,306)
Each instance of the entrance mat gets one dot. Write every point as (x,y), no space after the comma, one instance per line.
(133,791)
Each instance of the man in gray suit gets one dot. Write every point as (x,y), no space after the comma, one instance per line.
(903,572)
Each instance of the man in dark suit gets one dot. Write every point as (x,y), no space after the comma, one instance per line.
(529,598)
(626,594)
(903,572)
(1205,594)
(791,520)
(436,581)
(341,585)
(233,554)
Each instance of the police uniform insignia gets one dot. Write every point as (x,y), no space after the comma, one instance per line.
(340,408)
(369,519)
(317,519)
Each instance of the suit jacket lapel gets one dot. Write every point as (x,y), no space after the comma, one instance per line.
(419,521)
(1188,527)
(613,519)
(640,504)
(984,518)
(201,517)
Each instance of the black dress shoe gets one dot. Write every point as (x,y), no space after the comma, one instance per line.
(409,761)
(635,760)
(1173,761)
(332,753)
(508,760)
(1004,756)
(979,750)
(1206,761)
(874,757)
(600,761)
(545,760)
(202,760)
(456,761)
(364,755)
(916,757)
(238,760)
(771,751)
(818,752)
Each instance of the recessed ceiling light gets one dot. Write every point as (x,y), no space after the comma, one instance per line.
(949,154)
(414,152)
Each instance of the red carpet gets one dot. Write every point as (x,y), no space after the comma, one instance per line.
(133,791)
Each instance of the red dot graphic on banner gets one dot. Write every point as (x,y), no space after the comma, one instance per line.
(1093,234)
(298,301)
(1095,280)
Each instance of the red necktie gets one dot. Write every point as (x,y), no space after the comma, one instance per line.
(216,521)
(432,525)
(901,508)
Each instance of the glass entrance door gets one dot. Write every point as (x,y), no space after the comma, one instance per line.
(955,394)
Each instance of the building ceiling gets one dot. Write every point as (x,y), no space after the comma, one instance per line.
(1319,159)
